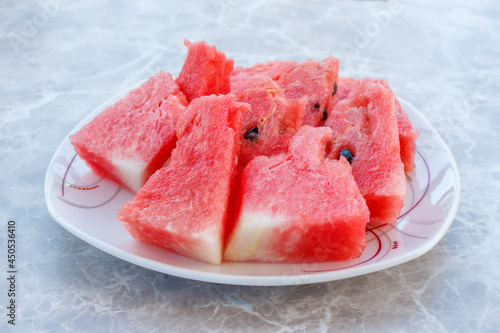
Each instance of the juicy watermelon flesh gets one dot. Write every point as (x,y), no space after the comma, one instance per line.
(344,87)
(407,139)
(407,134)
(365,124)
(273,69)
(131,139)
(206,71)
(314,80)
(276,214)
(299,207)
(272,120)
(183,207)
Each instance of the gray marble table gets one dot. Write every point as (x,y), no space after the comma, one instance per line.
(60,59)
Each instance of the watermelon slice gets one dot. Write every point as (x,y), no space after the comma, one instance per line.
(183,207)
(315,80)
(205,71)
(299,207)
(365,127)
(407,134)
(131,139)
(272,120)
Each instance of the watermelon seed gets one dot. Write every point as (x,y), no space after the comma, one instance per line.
(347,154)
(334,88)
(317,105)
(252,133)
(325,114)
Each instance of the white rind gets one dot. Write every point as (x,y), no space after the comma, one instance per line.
(132,172)
(251,237)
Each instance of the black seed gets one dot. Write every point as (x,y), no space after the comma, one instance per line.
(317,105)
(252,133)
(347,154)
(325,114)
(334,88)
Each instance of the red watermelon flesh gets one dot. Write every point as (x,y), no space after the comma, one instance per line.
(131,139)
(407,138)
(206,71)
(272,120)
(366,125)
(273,69)
(299,207)
(315,80)
(344,87)
(407,134)
(183,207)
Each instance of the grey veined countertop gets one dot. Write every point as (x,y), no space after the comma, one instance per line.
(59,60)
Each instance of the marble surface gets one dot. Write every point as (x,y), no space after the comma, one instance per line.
(61,59)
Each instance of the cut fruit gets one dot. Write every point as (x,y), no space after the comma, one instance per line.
(205,71)
(315,80)
(133,138)
(365,124)
(272,120)
(299,207)
(183,207)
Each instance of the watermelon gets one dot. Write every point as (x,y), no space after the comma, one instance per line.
(344,87)
(299,206)
(183,207)
(279,162)
(315,80)
(365,127)
(407,138)
(407,134)
(134,137)
(206,71)
(273,69)
(272,120)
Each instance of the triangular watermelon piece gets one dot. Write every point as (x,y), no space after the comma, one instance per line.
(183,207)
(365,127)
(133,138)
(407,133)
(272,120)
(206,71)
(299,207)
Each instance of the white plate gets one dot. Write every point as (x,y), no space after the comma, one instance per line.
(86,205)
